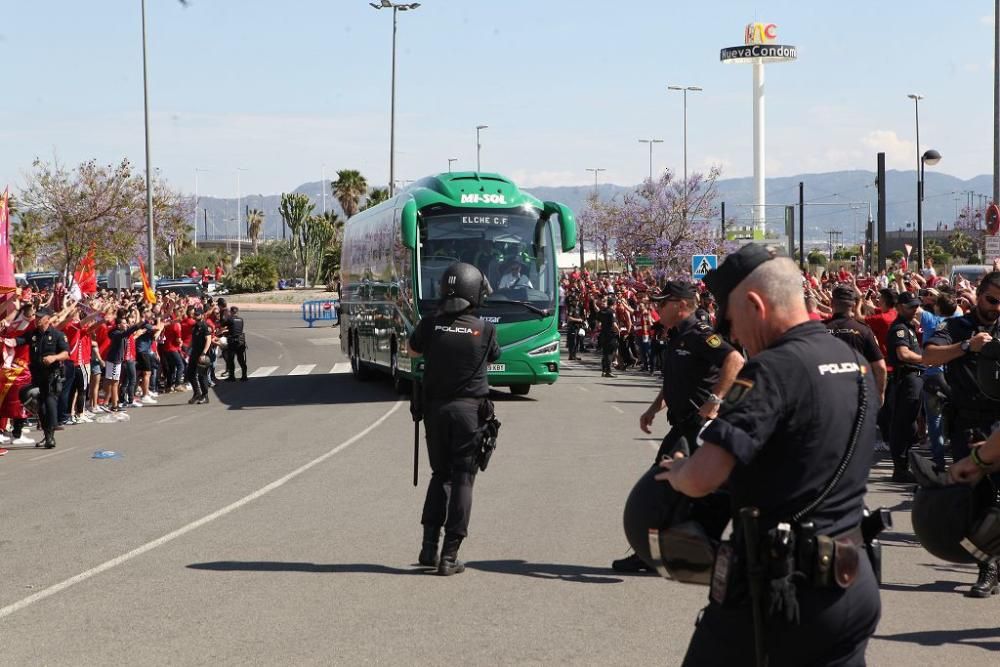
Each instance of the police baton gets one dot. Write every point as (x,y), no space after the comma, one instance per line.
(416,411)
(749,517)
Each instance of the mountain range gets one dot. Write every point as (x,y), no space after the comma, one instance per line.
(835,201)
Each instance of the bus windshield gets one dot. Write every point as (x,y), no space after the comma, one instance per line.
(512,247)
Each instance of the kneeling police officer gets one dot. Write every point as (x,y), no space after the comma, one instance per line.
(457,347)
(791,441)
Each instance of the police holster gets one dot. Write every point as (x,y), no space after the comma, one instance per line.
(487,434)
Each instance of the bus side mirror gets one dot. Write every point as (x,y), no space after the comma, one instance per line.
(567,223)
(408,224)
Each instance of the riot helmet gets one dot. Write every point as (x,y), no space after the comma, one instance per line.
(463,286)
(674,534)
(959,523)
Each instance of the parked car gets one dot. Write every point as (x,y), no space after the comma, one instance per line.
(40,280)
(180,286)
(971,272)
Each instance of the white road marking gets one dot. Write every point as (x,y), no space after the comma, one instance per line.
(617,409)
(343,367)
(581,387)
(263,371)
(325,341)
(45,456)
(169,537)
(302,369)
(166,419)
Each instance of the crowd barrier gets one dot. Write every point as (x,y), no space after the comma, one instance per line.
(320,311)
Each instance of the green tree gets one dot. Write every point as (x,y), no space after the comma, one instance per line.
(26,239)
(255,222)
(376,197)
(961,244)
(295,210)
(816,258)
(349,188)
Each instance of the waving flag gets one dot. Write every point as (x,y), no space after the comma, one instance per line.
(7,282)
(147,290)
(85,277)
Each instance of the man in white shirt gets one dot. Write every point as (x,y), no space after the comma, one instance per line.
(513,278)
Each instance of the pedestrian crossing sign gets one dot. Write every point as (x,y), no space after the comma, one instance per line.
(702,264)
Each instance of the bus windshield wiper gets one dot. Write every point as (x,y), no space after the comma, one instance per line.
(533,308)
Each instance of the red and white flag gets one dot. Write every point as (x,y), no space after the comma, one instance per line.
(7,282)
(908,248)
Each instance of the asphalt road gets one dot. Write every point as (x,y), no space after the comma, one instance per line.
(279,525)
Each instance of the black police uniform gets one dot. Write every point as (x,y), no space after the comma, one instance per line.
(907,386)
(974,413)
(607,339)
(690,371)
(856,334)
(199,336)
(236,347)
(788,421)
(457,349)
(574,322)
(48,378)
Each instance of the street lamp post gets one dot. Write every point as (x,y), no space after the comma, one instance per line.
(239,233)
(931,157)
(685,90)
(450,160)
(150,241)
(196,170)
(579,237)
(322,185)
(395,7)
(651,142)
(479,145)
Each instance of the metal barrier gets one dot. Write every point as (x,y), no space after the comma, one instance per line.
(320,311)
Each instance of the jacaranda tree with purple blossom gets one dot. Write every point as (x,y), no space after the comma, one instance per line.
(659,221)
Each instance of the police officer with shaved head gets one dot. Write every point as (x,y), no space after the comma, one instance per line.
(457,347)
(792,443)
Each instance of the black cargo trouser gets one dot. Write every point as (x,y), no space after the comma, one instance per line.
(452,428)
(688,429)
(48,399)
(234,353)
(608,347)
(907,389)
(834,628)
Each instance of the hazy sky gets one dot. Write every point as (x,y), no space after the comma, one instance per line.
(282,88)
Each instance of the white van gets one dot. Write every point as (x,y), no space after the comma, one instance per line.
(971,272)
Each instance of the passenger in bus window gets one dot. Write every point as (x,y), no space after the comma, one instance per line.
(514,277)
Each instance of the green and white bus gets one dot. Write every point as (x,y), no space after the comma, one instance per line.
(394,254)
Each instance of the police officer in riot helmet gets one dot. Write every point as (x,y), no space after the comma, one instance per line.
(791,442)
(963,344)
(457,347)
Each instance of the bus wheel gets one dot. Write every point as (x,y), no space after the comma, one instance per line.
(520,389)
(399,383)
(358,368)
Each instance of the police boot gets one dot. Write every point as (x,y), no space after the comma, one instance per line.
(987,584)
(901,474)
(429,550)
(50,442)
(449,563)
(631,563)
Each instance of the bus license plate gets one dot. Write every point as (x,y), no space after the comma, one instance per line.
(497,368)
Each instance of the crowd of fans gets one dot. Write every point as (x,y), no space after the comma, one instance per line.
(123,352)
(637,338)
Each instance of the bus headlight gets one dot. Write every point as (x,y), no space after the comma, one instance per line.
(548,348)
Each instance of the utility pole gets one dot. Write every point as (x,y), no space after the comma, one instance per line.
(802,227)
(597,171)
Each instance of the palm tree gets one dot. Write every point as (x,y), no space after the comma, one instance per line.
(255,222)
(376,197)
(349,188)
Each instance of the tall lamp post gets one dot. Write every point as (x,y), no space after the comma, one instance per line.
(579,237)
(322,184)
(479,145)
(651,142)
(150,241)
(685,90)
(239,232)
(931,157)
(450,160)
(395,7)
(196,170)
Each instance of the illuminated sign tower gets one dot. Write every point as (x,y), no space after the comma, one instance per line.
(759,47)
